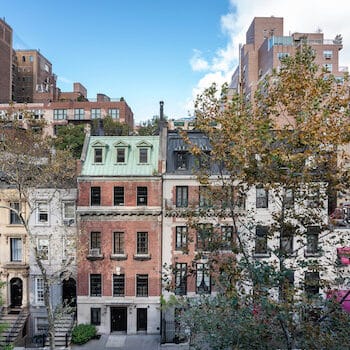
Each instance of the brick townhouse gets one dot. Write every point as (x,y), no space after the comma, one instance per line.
(119,254)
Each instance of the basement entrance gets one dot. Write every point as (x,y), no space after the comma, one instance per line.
(118,319)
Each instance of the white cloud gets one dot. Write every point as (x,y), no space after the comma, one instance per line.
(64,80)
(197,62)
(299,16)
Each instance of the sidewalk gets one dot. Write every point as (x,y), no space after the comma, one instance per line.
(122,342)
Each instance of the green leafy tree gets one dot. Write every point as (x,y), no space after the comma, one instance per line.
(282,155)
(150,127)
(70,137)
(110,127)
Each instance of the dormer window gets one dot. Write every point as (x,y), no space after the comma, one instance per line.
(181,160)
(99,152)
(98,155)
(144,155)
(121,152)
(120,155)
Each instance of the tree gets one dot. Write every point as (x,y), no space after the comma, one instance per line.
(110,127)
(70,137)
(28,162)
(150,127)
(282,155)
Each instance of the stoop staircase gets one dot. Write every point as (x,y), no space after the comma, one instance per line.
(15,320)
(63,330)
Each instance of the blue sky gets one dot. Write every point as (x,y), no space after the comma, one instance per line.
(152,50)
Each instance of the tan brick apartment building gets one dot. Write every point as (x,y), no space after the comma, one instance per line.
(266,44)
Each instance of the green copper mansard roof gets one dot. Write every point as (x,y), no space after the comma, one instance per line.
(103,162)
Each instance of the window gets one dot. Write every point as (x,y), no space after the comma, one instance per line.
(95,198)
(118,239)
(289,199)
(95,316)
(181,160)
(69,211)
(204,234)
(202,279)
(43,248)
(95,243)
(39,290)
(328,67)
(286,287)
(42,213)
(180,279)
(287,235)
(141,195)
(181,196)
(261,239)
(314,198)
(261,197)
(226,237)
(95,113)
(59,114)
(141,285)
(327,54)
(16,249)
(98,155)
(143,155)
(118,195)
(312,283)
(181,237)
(204,197)
(114,113)
(121,155)
(142,243)
(312,235)
(79,113)
(118,285)
(95,285)
(14,217)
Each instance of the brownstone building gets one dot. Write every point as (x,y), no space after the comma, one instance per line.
(119,210)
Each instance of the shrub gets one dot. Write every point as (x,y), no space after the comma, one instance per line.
(82,333)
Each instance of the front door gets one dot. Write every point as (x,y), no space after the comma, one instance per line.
(69,293)
(16,289)
(142,319)
(118,319)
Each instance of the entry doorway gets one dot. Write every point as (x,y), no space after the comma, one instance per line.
(118,319)
(16,290)
(142,319)
(69,292)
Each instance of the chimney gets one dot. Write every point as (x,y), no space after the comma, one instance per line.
(163,131)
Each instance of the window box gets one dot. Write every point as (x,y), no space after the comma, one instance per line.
(142,257)
(119,256)
(95,254)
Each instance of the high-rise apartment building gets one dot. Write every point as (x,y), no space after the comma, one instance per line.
(5,62)
(266,45)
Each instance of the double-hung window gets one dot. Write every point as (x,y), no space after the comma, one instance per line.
(312,236)
(143,155)
(114,113)
(39,290)
(95,243)
(141,285)
(95,285)
(180,278)
(181,196)
(141,195)
(95,316)
(142,243)
(181,237)
(79,113)
(16,249)
(261,233)
(203,279)
(262,197)
(118,195)
(42,213)
(118,240)
(95,113)
(98,155)
(95,195)
(43,248)
(59,114)
(118,285)
(14,211)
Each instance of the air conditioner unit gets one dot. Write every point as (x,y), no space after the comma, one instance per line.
(95,252)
